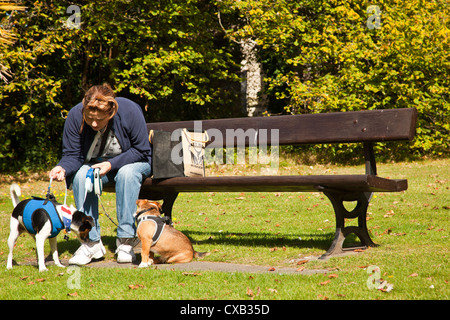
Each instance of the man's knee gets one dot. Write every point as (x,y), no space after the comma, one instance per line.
(128,173)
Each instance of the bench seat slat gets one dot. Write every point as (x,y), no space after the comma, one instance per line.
(313,183)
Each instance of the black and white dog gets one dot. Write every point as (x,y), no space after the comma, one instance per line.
(44,218)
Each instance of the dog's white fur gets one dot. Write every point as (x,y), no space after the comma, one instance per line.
(16,229)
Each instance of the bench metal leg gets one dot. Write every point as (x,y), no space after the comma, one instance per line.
(360,211)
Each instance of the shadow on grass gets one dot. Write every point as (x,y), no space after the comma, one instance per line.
(249,239)
(260,239)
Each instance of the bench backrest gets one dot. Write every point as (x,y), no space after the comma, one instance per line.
(336,127)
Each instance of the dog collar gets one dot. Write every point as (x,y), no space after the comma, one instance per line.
(141,212)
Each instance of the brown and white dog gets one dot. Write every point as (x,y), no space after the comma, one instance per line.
(157,237)
(39,220)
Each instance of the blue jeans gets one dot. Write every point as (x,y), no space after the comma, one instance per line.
(128,181)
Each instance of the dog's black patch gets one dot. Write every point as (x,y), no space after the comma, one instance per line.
(39,218)
(18,210)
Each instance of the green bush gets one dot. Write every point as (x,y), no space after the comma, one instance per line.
(327,56)
(180,60)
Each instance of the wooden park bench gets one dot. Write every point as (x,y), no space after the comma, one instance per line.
(367,127)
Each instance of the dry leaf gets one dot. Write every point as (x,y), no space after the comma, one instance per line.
(191,274)
(73,294)
(389,214)
(325,283)
(272,269)
(272,290)
(333,275)
(302,262)
(250,293)
(300,269)
(135,286)
(413,275)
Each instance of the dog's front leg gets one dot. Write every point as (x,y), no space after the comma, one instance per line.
(40,241)
(145,252)
(54,249)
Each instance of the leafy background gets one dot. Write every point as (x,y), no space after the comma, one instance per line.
(181,60)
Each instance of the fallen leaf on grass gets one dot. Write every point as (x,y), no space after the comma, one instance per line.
(389,214)
(191,274)
(333,275)
(300,269)
(135,286)
(73,294)
(413,275)
(302,262)
(386,287)
(272,269)
(325,283)
(251,294)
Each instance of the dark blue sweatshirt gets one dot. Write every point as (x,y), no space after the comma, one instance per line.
(129,128)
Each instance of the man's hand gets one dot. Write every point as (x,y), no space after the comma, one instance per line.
(104,167)
(58,173)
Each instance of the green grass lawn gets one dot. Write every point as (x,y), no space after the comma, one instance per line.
(268,229)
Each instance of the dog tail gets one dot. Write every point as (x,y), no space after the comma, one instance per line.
(15,192)
(201,254)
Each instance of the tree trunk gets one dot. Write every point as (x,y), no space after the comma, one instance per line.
(254,101)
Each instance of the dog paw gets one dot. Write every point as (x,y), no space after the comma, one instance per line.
(143,265)
(60,265)
(43,270)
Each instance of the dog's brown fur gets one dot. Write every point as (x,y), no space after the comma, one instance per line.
(173,246)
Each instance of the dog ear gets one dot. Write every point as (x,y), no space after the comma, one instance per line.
(158,205)
(88,220)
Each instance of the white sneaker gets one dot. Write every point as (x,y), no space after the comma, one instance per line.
(125,253)
(88,251)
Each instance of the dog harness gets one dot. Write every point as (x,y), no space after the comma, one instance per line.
(159,222)
(60,217)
